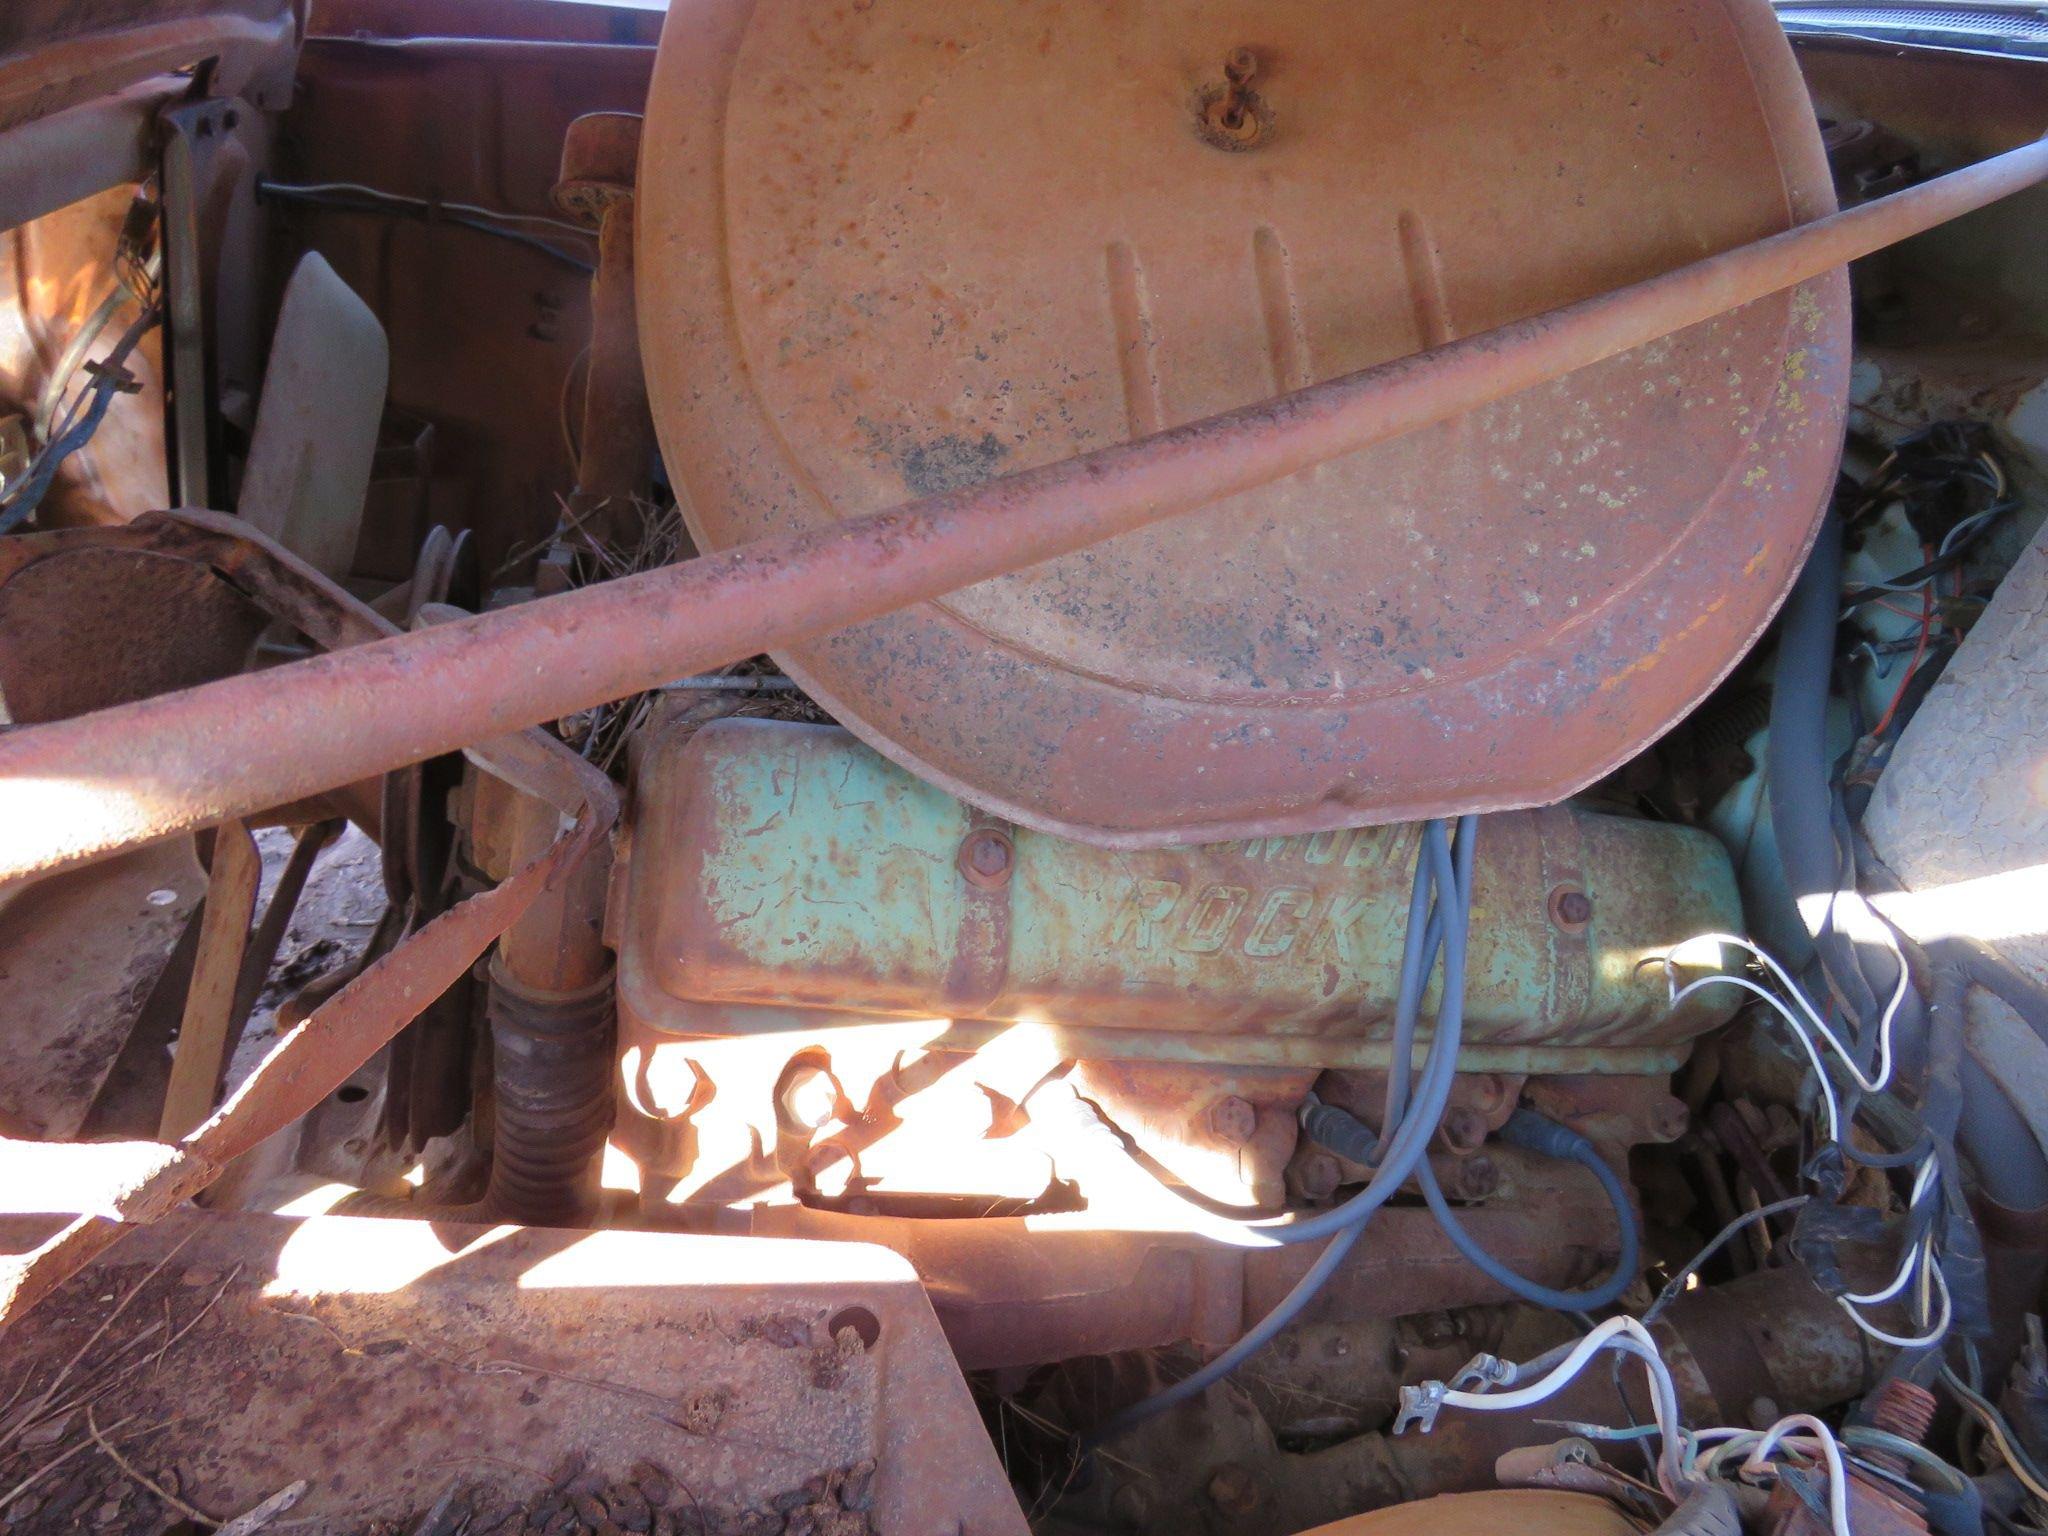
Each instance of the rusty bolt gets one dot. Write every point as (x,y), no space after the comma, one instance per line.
(1316,1176)
(600,156)
(1669,1119)
(1488,1091)
(986,856)
(1473,1178)
(1434,1330)
(1233,1489)
(1571,908)
(1463,1129)
(1232,1120)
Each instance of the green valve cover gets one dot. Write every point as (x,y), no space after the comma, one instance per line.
(789,865)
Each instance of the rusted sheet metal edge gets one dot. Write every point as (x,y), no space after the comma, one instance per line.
(80,788)
(52,162)
(49,62)
(317,1057)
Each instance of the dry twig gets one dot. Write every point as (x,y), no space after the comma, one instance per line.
(137,1475)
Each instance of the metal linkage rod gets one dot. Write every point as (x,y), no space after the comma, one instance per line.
(76,789)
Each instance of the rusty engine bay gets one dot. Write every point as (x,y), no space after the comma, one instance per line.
(943,766)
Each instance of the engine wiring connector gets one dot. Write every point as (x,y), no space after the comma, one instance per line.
(1420,1404)
(1483,1371)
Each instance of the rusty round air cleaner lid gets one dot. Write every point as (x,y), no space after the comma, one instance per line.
(891,247)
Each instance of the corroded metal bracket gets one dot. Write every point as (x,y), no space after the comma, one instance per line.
(319,1055)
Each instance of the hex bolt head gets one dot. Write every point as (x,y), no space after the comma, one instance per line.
(1232,1120)
(1669,1119)
(1316,1176)
(1488,1091)
(1477,1177)
(986,857)
(1464,1128)
(1570,908)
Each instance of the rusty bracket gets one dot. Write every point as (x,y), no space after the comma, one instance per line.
(216,975)
(320,1054)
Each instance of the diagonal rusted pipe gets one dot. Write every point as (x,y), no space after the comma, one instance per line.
(75,789)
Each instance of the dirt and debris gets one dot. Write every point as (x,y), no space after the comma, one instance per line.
(466,1382)
(649,1501)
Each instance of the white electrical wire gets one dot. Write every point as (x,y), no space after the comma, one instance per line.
(1919,1259)
(1834,1042)
(1623,1334)
(1823,1439)
(1929,1271)
(1817,1440)
(1923,1181)
(1799,1033)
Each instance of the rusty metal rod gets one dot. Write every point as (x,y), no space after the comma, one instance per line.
(79,788)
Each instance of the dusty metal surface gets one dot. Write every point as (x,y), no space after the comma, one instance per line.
(1528,1511)
(55,54)
(789,865)
(734,1386)
(1131,1274)
(891,254)
(51,163)
(166,765)
(78,954)
(317,1056)
(83,625)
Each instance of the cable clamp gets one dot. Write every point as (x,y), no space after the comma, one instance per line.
(1420,1405)
(119,380)
(1483,1371)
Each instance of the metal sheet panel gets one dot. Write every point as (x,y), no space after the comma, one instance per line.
(895,250)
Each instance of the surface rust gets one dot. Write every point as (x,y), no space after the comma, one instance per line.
(788,865)
(81,788)
(896,253)
(738,1388)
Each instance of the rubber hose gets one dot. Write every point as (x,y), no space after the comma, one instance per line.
(552,1061)
(1795,752)
(1993,1133)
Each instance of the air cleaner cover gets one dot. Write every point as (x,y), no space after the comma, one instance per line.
(891,247)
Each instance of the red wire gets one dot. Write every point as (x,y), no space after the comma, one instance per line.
(1919,650)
